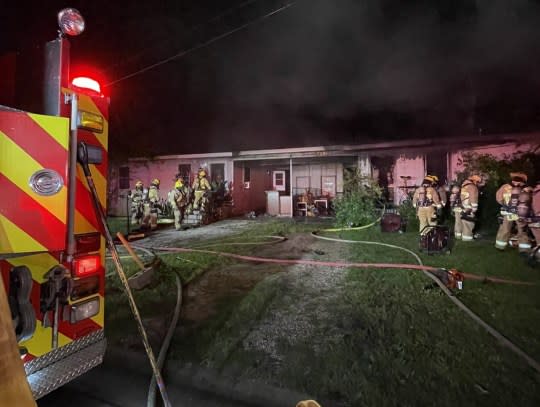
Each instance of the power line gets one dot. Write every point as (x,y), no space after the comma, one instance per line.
(191,30)
(203,44)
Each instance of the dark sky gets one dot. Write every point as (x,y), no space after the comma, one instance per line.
(320,72)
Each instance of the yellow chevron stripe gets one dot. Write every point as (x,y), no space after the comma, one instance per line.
(99,180)
(40,343)
(87,104)
(11,237)
(38,264)
(57,127)
(100,317)
(11,165)
(82,225)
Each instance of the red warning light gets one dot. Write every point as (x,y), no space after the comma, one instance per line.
(86,83)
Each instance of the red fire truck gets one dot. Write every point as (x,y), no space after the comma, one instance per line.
(51,245)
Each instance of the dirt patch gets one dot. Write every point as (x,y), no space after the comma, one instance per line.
(203,296)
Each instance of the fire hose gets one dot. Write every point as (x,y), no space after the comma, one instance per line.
(427,270)
(84,161)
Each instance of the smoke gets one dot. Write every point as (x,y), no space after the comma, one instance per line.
(337,60)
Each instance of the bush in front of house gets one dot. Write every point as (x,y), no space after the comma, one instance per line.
(496,171)
(360,203)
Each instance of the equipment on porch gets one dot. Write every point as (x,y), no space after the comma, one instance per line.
(391,222)
(434,239)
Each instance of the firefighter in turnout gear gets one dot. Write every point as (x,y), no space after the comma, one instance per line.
(426,201)
(515,201)
(201,188)
(151,206)
(138,196)
(535,212)
(179,199)
(465,206)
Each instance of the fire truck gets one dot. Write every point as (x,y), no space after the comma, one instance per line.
(51,243)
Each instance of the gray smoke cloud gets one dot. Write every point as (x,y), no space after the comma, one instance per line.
(338,58)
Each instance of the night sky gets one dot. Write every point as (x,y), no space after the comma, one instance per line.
(319,72)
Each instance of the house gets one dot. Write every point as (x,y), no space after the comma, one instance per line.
(270,181)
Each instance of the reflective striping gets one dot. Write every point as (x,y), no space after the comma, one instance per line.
(100,317)
(11,237)
(91,139)
(466,238)
(86,103)
(84,205)
(40,343)
(38,264)
(524,246)
(19,167)
(82,225)
(33,218)
(36,142)
(501,243)
(55,128)
(99,181)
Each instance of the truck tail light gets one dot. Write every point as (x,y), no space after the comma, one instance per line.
(84,310)
(88,242)
(84,266)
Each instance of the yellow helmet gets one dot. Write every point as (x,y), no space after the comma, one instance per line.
(434,178)
(179,183)
(202,172)
(518,176)
(138,184)
(475,178)
(155,182)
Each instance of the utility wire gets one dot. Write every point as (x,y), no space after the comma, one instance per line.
(191,30)
(203,44)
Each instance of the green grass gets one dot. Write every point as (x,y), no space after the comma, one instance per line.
(400,341)
(390,338)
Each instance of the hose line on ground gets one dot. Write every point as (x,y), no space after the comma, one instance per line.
(100,213)
(500,337)
(425,269)
(151,400)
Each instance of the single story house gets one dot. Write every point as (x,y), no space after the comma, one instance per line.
(270,181)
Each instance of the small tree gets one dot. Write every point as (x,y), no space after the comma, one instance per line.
(361,197)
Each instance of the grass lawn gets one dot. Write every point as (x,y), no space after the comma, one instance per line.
(383,337)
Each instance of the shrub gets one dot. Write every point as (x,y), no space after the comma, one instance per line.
(360,200)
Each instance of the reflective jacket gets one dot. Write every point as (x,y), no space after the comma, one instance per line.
(469,196)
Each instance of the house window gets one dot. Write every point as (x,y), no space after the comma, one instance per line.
(328,186)
(217,172)
(184,171)
(278,178)
(123,178)
(247,174)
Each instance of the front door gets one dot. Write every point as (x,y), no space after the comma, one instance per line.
(279,181)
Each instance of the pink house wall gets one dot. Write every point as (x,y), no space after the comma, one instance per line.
(499,151)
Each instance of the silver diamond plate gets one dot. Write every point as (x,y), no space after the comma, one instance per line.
(64,351)
(62,371)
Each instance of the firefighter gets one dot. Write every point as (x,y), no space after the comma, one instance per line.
(443,198)
(426,201)
(515,199)
(138,196)
(534,226)
(201,188)
(151,206)
(178,198)
(454,203)
(441,190)
(466,207)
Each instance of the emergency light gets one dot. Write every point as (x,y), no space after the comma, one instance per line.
(70,21)
(84,82)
